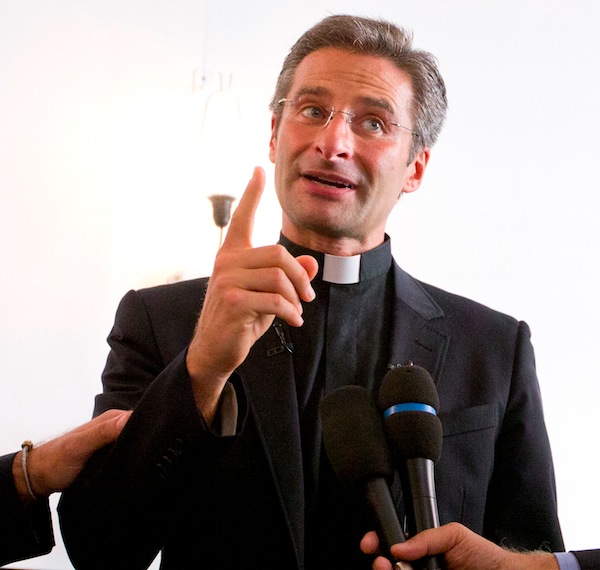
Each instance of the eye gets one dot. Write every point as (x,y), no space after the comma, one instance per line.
(372,125)
(313,112)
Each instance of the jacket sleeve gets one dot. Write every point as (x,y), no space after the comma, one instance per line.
(588,559)
(521,509)
(117,512)
(25,532)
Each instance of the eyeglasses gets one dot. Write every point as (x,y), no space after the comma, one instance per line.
(367,122)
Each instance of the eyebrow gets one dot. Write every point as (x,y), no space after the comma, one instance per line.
(312,91)
(378,102)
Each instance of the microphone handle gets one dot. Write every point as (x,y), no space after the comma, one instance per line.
(421,480)
(420,474)
(380,501)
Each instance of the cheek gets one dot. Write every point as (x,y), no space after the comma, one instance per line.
(390,183)
(393,173)
(281,148)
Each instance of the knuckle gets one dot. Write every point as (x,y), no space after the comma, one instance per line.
(280,254)
(233,297)
(278,276)
(222,261)
(278,303)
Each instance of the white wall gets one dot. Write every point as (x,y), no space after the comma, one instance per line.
(99,194)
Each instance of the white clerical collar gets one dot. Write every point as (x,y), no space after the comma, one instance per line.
(343,270)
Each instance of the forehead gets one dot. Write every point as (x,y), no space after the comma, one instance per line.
(347,77)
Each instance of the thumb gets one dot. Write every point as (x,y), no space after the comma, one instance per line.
(122,420)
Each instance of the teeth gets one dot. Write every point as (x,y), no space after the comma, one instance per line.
(340,185)
(329,182)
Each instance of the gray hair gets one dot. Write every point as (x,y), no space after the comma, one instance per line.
(384,39)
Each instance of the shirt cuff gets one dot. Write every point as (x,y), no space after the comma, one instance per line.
(567,561)
(227,413)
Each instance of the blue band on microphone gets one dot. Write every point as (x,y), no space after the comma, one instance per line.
(409,407)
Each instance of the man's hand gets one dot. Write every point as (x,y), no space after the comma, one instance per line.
(54,465)
(462,550)
(248,288)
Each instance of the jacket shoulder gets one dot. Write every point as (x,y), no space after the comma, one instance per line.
(164,315)
(468,311)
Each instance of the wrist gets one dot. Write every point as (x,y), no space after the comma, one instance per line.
(22,478)
(207,384)
(207,393)
(533,561)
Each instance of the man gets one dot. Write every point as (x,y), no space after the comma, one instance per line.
(221,464)
(29,477)
(465,550)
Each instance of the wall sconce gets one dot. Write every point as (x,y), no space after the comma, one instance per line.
(221,204)
(221,144)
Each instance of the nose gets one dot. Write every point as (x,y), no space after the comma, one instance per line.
(336,139)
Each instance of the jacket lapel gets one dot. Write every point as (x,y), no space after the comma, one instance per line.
(268,374)
(417,334)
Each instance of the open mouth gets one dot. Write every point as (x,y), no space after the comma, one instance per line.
(324,181)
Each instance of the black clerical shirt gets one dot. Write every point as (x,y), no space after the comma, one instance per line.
(344,340)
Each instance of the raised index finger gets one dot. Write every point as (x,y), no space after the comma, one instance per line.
(239,233)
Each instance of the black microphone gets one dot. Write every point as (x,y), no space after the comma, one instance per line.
(409,402)
(355,445)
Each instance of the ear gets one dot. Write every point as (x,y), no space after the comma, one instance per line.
(273,140)
(416,171)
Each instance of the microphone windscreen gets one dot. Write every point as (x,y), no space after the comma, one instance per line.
(405,384)
(353,437)
(411,433)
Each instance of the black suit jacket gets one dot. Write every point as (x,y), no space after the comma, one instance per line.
(588,559)
(207,501)
(25,532)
